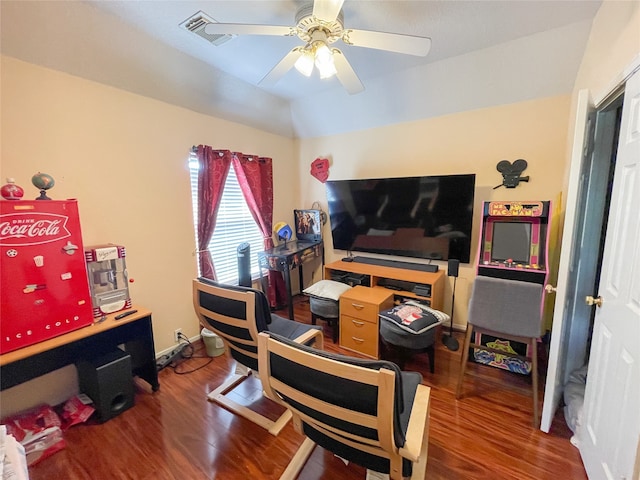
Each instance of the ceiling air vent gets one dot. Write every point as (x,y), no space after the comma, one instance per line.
(196,24)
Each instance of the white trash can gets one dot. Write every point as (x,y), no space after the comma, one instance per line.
(212,342)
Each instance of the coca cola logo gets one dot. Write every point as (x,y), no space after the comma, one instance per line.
(18,229)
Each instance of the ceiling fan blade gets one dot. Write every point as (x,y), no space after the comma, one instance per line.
(327,10)
(282,67)
(392,42)
(246,29)
(346,74)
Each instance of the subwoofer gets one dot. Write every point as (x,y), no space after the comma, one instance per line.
(108,381)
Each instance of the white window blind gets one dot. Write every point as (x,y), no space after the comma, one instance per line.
(234,226)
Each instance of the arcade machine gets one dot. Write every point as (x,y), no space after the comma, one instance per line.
(514,241)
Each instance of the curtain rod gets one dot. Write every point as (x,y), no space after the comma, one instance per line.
(251,158)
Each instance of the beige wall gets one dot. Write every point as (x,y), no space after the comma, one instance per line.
(124,157)
(612,51)
(474,141)
(469,142)
(613,44)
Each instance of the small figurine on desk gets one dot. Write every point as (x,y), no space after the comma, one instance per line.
(283,232)
(44,182)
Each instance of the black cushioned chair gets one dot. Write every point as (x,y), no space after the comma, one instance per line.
(238,315)
(365,411)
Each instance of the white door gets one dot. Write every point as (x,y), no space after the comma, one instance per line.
(567,274)
(610,429)
(580,261)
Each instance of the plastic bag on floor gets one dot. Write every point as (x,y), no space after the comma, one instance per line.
(50,442)
(77,409)
(38,431)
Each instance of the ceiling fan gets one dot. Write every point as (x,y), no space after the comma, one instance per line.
(320,24)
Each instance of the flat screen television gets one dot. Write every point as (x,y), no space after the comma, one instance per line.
(422,217)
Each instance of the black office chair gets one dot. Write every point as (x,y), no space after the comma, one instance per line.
(365,411)
(238,315)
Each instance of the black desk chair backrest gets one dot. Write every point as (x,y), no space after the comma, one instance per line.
(238,315)
(365,411)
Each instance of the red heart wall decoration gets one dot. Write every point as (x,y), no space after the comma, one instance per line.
(320,169)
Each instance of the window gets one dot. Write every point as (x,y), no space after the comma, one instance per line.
(234,226)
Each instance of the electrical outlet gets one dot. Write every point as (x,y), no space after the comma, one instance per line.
(176,334)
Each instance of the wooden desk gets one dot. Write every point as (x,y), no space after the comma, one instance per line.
(285,258)
(135,332)
(434,282)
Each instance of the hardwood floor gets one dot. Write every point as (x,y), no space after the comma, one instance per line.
(176,433)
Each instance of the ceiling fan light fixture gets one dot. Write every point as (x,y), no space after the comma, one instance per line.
(324,60)
(319,24)
(327,70)
(304,64)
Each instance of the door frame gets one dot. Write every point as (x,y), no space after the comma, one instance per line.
(554,387)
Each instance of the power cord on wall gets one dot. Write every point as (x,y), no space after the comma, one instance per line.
(184,351)
(188,352)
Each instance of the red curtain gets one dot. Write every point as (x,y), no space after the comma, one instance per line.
(213,167)
(255,177)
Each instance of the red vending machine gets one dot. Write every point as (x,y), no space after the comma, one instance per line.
(43,274)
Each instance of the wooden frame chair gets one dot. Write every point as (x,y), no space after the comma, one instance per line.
(508,309)
(238,315)
(364,411)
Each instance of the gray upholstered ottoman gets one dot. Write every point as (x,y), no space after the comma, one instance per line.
(324,303)
(410,328)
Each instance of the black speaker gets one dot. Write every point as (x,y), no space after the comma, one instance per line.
(452,269)
(244,265)
(108,381)
(449,340)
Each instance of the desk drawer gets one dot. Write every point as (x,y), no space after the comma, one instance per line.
(358,309)
(359,335)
